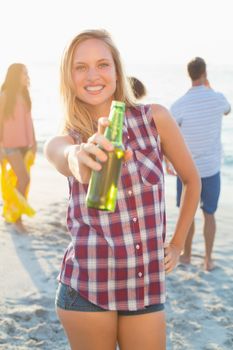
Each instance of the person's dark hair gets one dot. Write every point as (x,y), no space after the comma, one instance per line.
(12,86)
(138,88)
(196,67)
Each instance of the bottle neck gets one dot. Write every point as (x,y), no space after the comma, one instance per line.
(115,130)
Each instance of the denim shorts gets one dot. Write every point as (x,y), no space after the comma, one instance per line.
(69,299)
(210,192)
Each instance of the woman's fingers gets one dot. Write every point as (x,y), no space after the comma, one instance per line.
(171,257)
(88,153)
(103,122)
(91,163)
(99,139)
(169,266)
(168,259)
(97,145)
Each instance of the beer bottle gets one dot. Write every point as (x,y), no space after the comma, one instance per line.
(102,189)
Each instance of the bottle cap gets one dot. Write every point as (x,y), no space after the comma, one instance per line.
(118,104)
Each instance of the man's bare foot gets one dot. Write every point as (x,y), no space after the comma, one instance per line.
(184,259)
(19,227)
(209,265)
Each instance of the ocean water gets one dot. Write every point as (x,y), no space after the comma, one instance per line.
(165,83)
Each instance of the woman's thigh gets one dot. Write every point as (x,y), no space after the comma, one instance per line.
(145,331)
(89,330)
(17,163)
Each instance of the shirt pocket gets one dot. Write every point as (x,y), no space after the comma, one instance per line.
(149,166)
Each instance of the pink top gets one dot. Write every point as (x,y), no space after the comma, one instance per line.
(17,130)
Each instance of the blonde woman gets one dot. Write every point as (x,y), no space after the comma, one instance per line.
(111,284)
(16,138)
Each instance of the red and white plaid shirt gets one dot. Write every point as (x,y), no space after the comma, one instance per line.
(116,260)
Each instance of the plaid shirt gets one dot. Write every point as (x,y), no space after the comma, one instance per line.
(116,260)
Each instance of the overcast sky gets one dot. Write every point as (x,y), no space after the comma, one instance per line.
(148,31)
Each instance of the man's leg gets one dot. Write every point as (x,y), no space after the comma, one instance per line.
(209,231)
(185,257)
(209,202)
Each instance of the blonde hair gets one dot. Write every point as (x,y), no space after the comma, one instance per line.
(12,87)
(77,116)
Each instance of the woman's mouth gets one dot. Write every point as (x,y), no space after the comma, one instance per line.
(94,89)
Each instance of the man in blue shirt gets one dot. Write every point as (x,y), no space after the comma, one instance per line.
(199,114)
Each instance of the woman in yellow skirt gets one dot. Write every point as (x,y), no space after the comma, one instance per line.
(17,145)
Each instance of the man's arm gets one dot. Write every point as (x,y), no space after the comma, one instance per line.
(225,103)
(229,111)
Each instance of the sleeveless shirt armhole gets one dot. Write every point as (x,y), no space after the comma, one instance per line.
(75,136)
(147,110)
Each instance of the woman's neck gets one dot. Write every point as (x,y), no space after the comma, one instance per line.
(99,111)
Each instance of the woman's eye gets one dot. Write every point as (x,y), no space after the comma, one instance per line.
(80,68)
(103,65)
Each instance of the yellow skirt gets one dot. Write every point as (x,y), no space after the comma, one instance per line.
(14,203)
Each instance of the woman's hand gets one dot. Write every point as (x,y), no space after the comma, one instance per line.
(102,124)
(81,159)
(171,259)
(84,158)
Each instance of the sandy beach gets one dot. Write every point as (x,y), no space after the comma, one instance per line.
(199,304)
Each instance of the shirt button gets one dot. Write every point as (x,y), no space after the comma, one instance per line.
(134,219)
(130,193)
(128,137)
(137,246)
(139,274)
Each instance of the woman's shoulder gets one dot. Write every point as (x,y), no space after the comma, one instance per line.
(160,113)
(154,107)
(153,110)
(159,109)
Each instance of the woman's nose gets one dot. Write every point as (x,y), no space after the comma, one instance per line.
(92,74)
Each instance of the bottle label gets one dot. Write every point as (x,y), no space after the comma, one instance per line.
(102,190)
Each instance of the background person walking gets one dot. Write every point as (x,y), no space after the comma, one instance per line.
(17,144)
(199,114)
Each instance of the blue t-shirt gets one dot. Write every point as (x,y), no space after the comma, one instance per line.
(199,114)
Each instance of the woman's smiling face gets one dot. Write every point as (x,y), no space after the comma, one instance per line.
(94,73)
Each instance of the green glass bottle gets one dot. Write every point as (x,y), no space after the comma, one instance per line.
(102,189)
